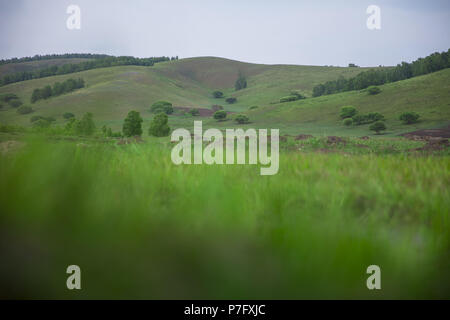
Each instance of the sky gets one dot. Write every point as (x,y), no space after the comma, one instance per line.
(326,32)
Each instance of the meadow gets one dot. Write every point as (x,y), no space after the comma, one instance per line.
(141,227)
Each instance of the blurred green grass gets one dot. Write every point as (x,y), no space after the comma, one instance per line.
(141,227)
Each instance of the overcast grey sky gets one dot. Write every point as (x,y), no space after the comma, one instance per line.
(325,32)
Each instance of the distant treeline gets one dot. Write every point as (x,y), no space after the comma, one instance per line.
(58,88)
(99,62)
(432,63)
(54,56)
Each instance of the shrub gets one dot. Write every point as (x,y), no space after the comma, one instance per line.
(241,119)
(36,118)
(194,112)
(132,125)
(378,127)
(217,94)
(162,106)
(24,110)
(6,97)
(360,119)
(298,95)
(15,103)
(409,117)
(41,123)
(348,122)
(231,100)
(216,108)
(159,126)
(68,115)
(288,99)
(373,90)
(348,112)
(220,115)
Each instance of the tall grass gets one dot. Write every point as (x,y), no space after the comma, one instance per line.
(141,227)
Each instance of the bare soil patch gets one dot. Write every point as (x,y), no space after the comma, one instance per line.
(426,134)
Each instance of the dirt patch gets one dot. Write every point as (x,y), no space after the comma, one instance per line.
(434,144)
(364,138)
(10,146)
(426,134)
(333,140)
(303,137)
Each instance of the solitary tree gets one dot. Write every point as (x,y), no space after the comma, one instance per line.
(241,82)
(409,117)
(132,126)
(159,126)
(378,127)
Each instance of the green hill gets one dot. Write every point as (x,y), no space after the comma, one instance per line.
(111,92)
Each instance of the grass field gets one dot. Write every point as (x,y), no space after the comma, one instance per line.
(141,227)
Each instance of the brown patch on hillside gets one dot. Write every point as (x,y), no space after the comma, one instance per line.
(434,144)
(426,134)
(303,137)
(333,140)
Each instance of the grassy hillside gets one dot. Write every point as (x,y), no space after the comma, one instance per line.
(429,95)
(35,65)
(112,92)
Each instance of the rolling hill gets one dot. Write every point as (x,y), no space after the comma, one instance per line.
(111,92)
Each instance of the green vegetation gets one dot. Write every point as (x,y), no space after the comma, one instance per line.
(162,106)
(194,112)
(132,126)
(68,115)
(15,103)
(373,90)
(159,125)
(217,94)
(24,110)
(241,82)
(241,119)
(224,232)
(409,117)
(220,115)
(432,63)
(231,100)
(378,127)
(371,117)
(348,112)
(347,122)
(98,61)
(58,89)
